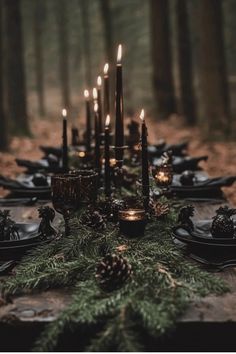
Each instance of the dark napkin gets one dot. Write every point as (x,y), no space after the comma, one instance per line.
(57,151)
(40,165)
(24,183)
(181,164)
(158,150)
(7,202)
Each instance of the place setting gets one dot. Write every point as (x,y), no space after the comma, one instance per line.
(122,214)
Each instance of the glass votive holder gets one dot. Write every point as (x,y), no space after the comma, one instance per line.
(132,222)
(164,176)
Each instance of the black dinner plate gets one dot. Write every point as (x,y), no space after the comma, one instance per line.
(28,234)
(200,239)
(17,252)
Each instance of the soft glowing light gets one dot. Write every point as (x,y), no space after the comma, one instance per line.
(107,120)
(86,93)
(142,115)
(99,81)
(119,53)
(95,93)
(95,107)
(64,113)
(106,68)
(81,154)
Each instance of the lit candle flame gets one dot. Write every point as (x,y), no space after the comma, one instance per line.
(142,115)
(95,107)
(106,68)
(86,93)
(119,54)
(64,113)
(99,81)
(107,120)
(95,93)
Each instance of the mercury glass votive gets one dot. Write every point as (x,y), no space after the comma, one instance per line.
(132,222)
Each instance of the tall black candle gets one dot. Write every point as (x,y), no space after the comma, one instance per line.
(145,167)
(99,91)
(64,141)
(97,138)
(88,122)
(106,93)
(107,157)
(119,134)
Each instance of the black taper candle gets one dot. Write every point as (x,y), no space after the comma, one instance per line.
(64,141)
(107,158)
(119,134)
(106,93)
(88,122)
(145,164)
(99,90)
(97,138)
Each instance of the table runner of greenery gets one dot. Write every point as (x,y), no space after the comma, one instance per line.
(162,285)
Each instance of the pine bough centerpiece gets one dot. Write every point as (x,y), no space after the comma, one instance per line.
(121,286)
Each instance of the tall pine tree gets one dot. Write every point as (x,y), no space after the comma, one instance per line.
(16,87)
(161,57)
(215,117)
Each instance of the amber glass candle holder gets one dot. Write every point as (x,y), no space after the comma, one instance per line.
(65,196)
(88,185)
(164,176)
(132,222)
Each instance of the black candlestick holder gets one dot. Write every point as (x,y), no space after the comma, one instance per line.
(119,153)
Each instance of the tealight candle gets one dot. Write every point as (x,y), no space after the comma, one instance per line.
(132,222)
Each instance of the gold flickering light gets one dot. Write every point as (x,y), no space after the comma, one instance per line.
(164,175)
(81,154)
(132,222)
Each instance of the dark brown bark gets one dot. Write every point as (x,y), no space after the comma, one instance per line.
(16,87)
(161,56)
(110,54)
(3,121)
(187,102)
(39,15)
(215,119)
(63,43)
(84,5)
(108,30)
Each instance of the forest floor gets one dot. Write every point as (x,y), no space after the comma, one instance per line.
(221,161)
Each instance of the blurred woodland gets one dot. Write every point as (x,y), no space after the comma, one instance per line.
(179,58)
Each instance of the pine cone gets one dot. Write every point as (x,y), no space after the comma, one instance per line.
(93,219)
(160,210)
(112,272)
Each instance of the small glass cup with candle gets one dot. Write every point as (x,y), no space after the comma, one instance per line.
(164,176)
(132,222)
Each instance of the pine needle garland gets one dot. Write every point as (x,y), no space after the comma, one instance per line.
(162,285)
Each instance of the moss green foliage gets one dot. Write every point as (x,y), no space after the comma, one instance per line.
(162,285)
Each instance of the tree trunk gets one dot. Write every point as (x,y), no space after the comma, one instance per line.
(16,87)
(187,102)
(39,15)
(63,42)
(106,17)
(3,121)
(108,31)
(86,40)
(215,117)
(161,56)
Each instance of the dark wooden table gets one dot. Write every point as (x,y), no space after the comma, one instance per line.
(208,324)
